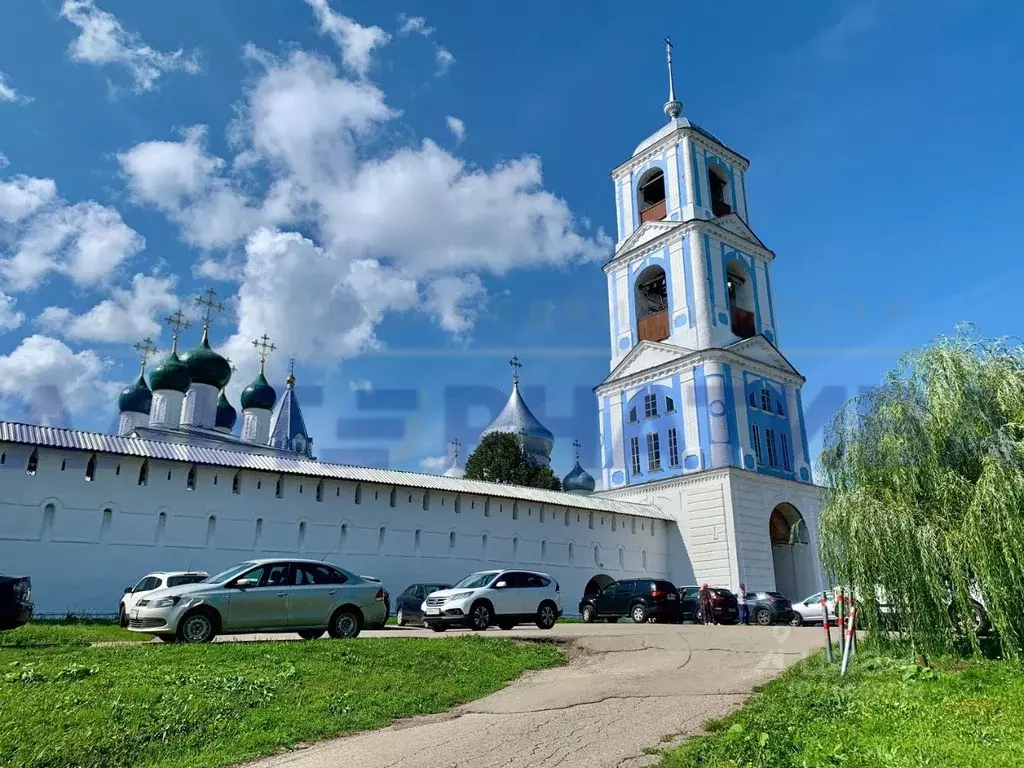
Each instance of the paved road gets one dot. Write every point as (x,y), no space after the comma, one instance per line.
(626,688)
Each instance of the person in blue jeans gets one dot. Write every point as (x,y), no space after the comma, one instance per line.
(741,598)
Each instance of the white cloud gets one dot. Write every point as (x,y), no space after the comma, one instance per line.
(128,315)
(434,465)
(102,40)
(10,318)
(361,385)
(414,24)
(445,59)
(4,162)
(355,41)
(24,195)
(50,379)
(457,127)
(9,94)
(455,301)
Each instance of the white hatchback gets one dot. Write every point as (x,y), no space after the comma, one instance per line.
(150,582)
(505,598)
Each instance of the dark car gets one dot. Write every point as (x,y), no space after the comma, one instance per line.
(723,603)
(640,599)
(767,608)
(15,601)
(408,607)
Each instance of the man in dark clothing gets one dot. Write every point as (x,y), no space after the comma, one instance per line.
(707,611)
(741,598)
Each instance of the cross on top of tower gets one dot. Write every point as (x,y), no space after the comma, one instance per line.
(233,368)
(178,323)
(209,305)
(515,365)
(576,445)
(456,444)
(673,108)
(146,349)
(264,347)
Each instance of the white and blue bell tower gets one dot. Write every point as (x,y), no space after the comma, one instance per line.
(697,380)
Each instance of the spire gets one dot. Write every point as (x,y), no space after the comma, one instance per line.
(455,469)
(146,350)
(178,323)
(673,108)
(290,381)
(264,347)
(515,365)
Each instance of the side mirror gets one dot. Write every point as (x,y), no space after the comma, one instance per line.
(127,590)
(501,585)
(244,583)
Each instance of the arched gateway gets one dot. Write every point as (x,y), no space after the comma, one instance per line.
(792,556)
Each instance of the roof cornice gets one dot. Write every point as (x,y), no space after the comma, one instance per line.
(669,138)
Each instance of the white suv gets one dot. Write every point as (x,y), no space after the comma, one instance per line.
(150,582)
(505,598)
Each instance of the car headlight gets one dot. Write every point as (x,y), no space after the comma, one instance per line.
(459,596)
(165,602)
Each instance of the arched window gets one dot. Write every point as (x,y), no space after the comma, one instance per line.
(236,484)
(161,526)
(359,493)
(211,530)
(543,550)
(426,500)
(320,491)
(515,547)
(572,552)
(394,497)
(650,196)
(416,540)
(279,488)
(117,469)
(108,518)
(651,299)
(515,510)
(458,505)
(380,538)
(741,299)
(90,469)
(487,507)
(590,521)
(542,513)
(342,537)
(302,536)
(613,522)
(643,557)
(597,555)
(718,186)
(214,478)
(144,472)
(483,544)
(190,481)
(451,542)
(567,517)
(258,535)
(622,558)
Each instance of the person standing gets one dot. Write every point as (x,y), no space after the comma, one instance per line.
(741,598)
(707,611)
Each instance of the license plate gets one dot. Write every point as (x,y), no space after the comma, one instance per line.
(433,612)
(134,614)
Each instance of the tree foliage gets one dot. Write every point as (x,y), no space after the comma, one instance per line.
(925,499)
(499,458)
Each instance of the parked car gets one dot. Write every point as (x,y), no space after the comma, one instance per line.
(387,605)
(409,605)
(767,608)
(640,599)
(304,596)
(15,601)
(505,598)
(153,581)
(723,603)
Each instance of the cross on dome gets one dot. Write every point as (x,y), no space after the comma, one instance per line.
(178,323)
(456,444)
(576,445)
(515,365)
(264,347)
(209,305)
(146,349)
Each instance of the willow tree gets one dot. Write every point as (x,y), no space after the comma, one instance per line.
(925,493)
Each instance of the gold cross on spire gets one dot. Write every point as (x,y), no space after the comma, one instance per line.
(290,381)
(178,322)
(515,365)
(209,305)
(264,347)
(146,349)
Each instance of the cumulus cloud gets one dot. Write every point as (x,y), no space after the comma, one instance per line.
(445,59)
(10,318)
(455,301)
(128,314)
(49,379)
(24,195)
(355,41)
(457,127)
(9,94)
(434,465)
(103,40)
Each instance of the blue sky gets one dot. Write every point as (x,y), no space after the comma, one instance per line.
(275,151)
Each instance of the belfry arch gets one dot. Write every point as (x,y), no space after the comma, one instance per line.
(792,557)
(651,301)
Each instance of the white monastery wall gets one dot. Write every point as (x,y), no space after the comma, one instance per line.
(83,541)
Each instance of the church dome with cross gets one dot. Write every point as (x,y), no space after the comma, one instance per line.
(204,365)
(517,419)
(578,480)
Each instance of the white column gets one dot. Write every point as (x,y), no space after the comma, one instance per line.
(618,448)
(256,425)
(671,179)
(762,300)
(718,417)
(166,408)
(742,425)
(690,416)
(701,301)
(690,174)
(200,408)
(622,289)
(800,459)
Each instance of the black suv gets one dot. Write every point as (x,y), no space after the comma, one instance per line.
(15,601)
(640,599)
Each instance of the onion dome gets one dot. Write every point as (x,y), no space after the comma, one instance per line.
(205,366)
(517,419)
(259,394)
(138,398)
(455,469)
(226,413)
(578,480)
(170,374)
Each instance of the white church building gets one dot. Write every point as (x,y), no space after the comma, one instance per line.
(705,464)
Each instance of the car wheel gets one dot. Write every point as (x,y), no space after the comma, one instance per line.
(796,621)
(588,614)
(344,624)
(311,634)
(122,617)
(506,624)
(698,617)
(168,638)
(638,613)
(763,617)
(197,627)
(480,617)
(438,627)
(400,618)
(547,615)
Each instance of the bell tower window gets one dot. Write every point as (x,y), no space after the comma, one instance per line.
(650,196)
(652,305)
(718,185)
(741,300)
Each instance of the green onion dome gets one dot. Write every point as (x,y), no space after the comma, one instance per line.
(226,413)
(259,394)
(170,374)
(137,398)
(205,366)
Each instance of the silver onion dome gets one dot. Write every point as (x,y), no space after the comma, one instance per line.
(578,480)
(517,419)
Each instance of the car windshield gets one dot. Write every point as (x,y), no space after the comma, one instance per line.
(229,574)
(476,580)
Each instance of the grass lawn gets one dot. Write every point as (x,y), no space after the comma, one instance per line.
(216,705)
(885,712)
(68,632)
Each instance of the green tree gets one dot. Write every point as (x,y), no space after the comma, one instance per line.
(925,493)
(499,458)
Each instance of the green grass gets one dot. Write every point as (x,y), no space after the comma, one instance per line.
(68,632)
(221,704)
(885,712)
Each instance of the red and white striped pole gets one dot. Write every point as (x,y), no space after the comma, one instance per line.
(826,625)
(851,623)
